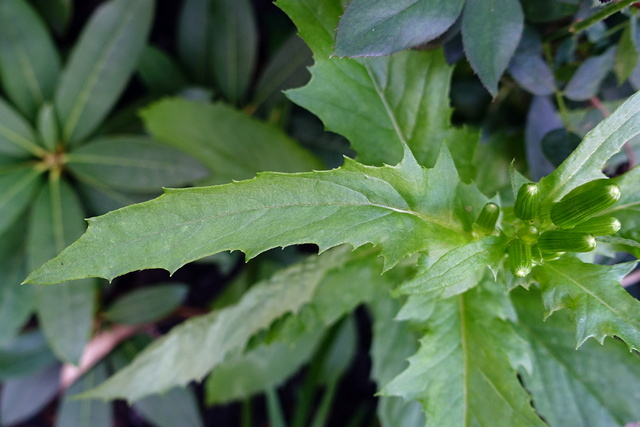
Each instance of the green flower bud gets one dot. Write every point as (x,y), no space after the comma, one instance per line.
(520,261)
(529,234)
(598,226)
(527,201)
(584,202)
(486,221)
(565,241)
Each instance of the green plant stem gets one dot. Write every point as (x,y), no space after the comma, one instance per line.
(600,15)
(276,418)
(247,419)
(320,420)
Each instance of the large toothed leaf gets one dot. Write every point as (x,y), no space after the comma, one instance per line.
(212,337)
(383,27)
(403,208)
(101,64)
(378,103)
(600,306)
(465,372)
(586,162)
(585,387)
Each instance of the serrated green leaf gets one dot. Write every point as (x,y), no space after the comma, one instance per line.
(586,162)
(465,372)
(378,103)
(383,27)
(231,144)
(404,208)
(233,42)
(19,188)
(81,412)
(134,164)
(100,65)
(459,269)
(147,304)
(65,312)
(590,386)
(29,62)
(17,137)
(491,32)
(600,306)
(162,365)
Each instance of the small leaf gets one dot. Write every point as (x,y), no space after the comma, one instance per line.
(80,412)
(192,39)
(29,62)
(100,65)
(48,128)
(558,144)
(383,27)
(585,82)
(626,55)
(532,73)
(233,42)
(231,144)
(160,74)
(134,164)
(600,306)
(491,32)
(147,304)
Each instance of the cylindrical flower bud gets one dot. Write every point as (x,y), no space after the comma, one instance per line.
(566,241)
(598,226)
(529,234)
(527,201)
(486,221)
(520,261)
(584,202)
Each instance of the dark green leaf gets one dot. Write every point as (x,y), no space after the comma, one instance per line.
(24,397)
(65,311)
(29,62)
(626,55)
(231,144)
(146,305)
(404,208)
(193,36)
(558,144)
(48,128)
(383,27)
(100,65)
(17,137)
(233,41)
(600,306)
(26,354)
(491,32)
(378,103)
(19,187)
(82,412)
(585,387)
(159,72)
(100,199)
(587,79)
(134,164)
(548,10)
(57,13)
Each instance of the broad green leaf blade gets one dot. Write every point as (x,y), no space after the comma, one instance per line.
(29,62)
(160,74)
(65,312)
(377,103)
(24,397)
(465,372)
(455,271)
(491,30)
(134,164)
(19,188)
(600,306)
(82,412)
(233,41)
(101,64)
(231,144)
(586,162)
(26,354)
(585,387)
(192,39)
(17,137)
(219,334)
(383,27)
(146,305)
(404,209)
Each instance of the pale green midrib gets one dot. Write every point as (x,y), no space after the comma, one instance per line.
(87,89)
(29,74)
(7,193)
(591,294)
(576,376)
(96,159)
(465,360)
(20,141)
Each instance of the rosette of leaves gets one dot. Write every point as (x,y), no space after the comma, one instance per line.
(57,166)
(481,354)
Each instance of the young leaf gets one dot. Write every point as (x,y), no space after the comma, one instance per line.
(383,27)
(134,164)
(231,144)
(29,62)
(584,387)
(404,208)
(491,31)
(100,65)
(586,162)
(398,99)
(600,306)
(159,72)
(464,373)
